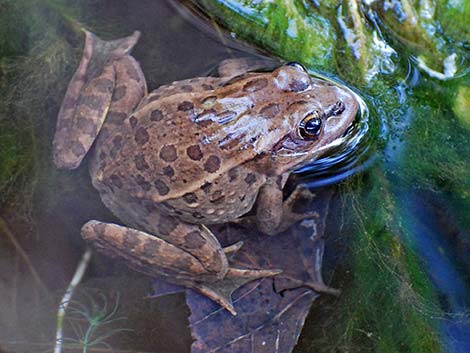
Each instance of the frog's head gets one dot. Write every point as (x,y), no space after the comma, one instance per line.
(316,116)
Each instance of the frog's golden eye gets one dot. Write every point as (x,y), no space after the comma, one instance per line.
(311,126)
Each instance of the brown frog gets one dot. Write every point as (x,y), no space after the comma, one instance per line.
(190,154)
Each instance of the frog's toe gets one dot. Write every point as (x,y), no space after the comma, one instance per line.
(233,248)
(221,291)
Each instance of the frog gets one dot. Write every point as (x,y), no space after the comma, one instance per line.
(193,153)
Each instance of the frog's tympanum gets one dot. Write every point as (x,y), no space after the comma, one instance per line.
(192,153)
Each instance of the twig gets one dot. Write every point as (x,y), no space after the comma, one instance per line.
(64,303)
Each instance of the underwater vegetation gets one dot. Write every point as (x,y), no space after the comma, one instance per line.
(403,284)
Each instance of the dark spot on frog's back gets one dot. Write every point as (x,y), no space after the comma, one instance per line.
(250,179)
(141,136)
(212,164)
(156,115)
(270,111)
(206,187)
(194,152)
(233,174)
(140,162)
(168,171)
(161,187)
(194,240)
(255,85)
(168,153)
(185,106)
(143,183)
(133,121)
(190,197)
(119,92)
(207,87)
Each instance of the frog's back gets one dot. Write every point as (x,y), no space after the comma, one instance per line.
(170,150)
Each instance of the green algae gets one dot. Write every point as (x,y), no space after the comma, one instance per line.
(291,32)
(461,106)
(34,59)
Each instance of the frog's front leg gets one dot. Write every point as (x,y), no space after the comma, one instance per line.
(273,215)
(94,88)
(194,258)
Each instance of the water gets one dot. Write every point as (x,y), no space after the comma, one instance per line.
(380,156)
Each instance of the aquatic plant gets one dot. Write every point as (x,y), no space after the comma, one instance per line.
(93,321)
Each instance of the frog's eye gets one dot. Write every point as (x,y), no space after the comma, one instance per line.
(311,126)
(297,65)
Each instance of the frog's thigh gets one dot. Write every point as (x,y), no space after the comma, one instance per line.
(150,254)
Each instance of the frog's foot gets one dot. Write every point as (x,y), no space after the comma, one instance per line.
(233,248)
(301,195)
(221,291)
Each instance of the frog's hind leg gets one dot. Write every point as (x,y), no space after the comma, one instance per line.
(88,98)
(191,256)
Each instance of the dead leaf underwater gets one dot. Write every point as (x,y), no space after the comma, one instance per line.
(270,311)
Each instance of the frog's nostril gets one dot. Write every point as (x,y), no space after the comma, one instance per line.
(335,109)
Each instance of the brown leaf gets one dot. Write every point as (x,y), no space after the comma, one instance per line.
(271,311)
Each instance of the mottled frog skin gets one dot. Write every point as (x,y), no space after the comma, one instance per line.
(192,153)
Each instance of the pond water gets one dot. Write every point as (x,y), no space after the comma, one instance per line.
(396,235)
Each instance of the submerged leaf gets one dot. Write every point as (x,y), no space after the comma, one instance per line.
(270,311)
